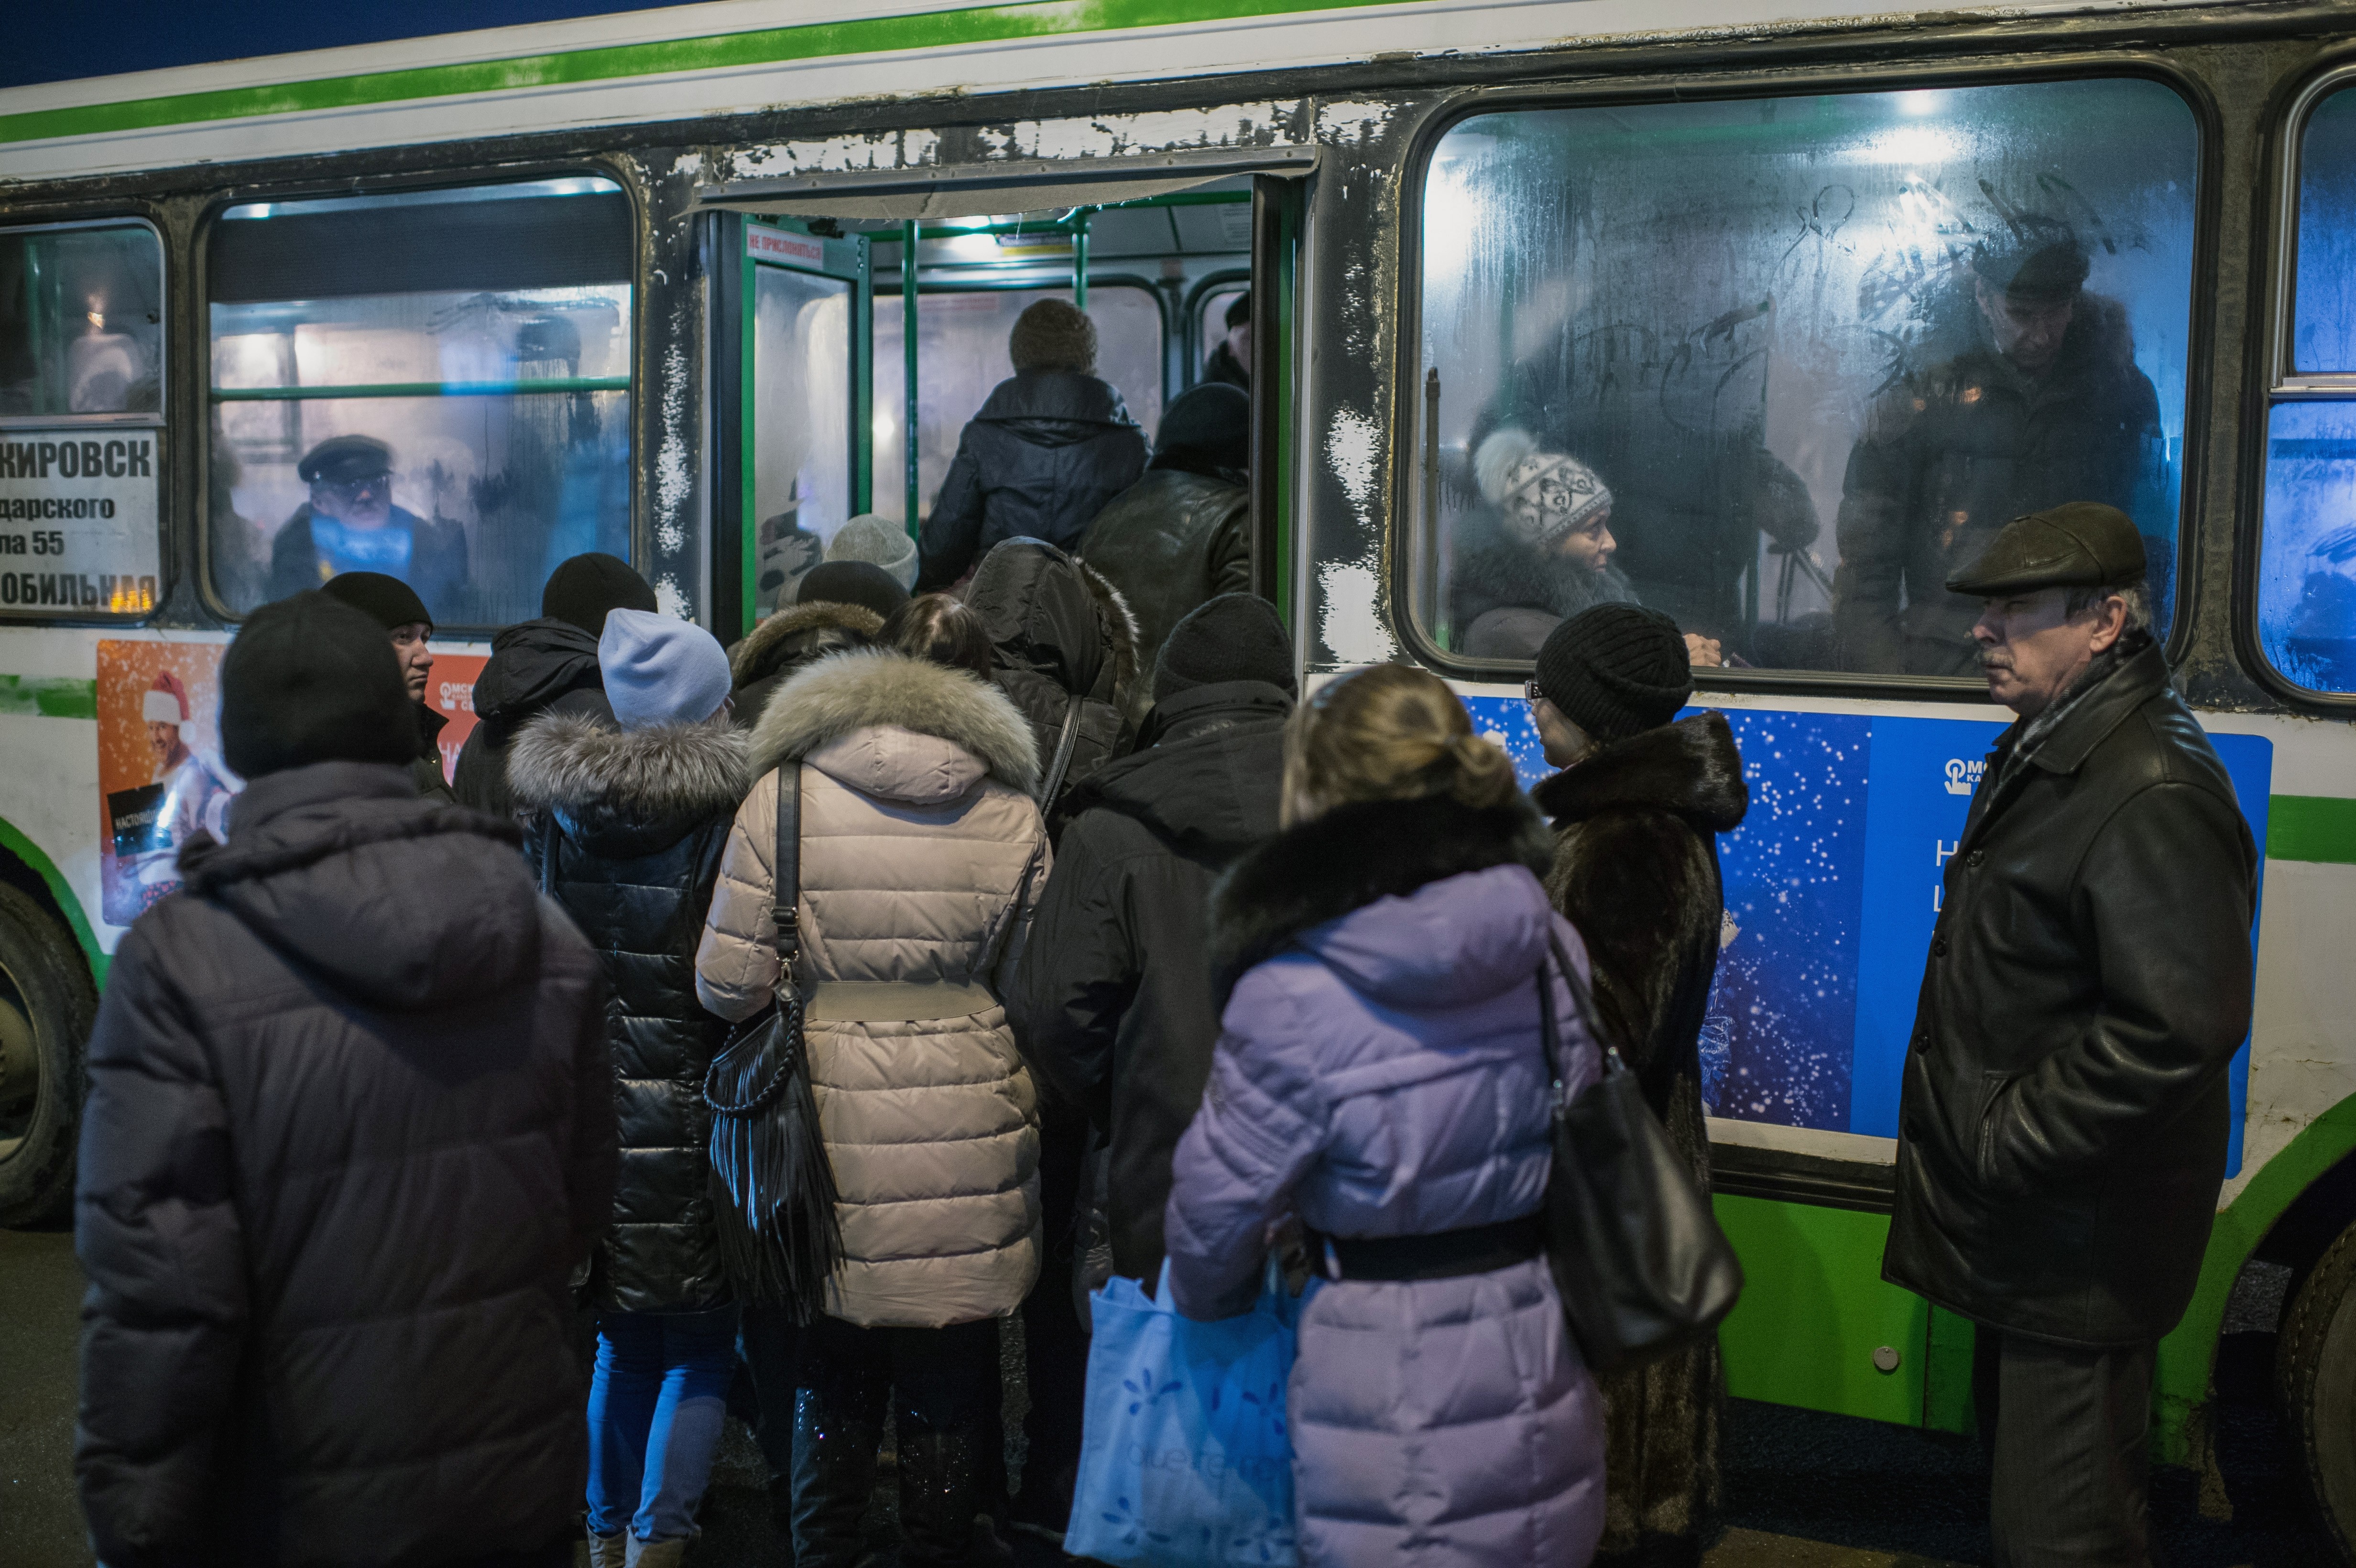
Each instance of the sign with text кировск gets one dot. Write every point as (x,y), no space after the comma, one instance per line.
(77,516)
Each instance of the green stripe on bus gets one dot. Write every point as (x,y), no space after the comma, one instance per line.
(48,697)
(767,46)
(2311,828)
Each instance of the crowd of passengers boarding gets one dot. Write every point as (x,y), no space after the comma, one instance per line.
(1119,958)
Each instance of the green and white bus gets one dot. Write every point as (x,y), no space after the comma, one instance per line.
(680,283)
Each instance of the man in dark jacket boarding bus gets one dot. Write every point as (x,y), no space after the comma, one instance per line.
(350,1125)
(2062,1127)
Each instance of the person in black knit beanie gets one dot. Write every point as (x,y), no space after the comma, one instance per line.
(309,680)
(1612,670)
(1236,636)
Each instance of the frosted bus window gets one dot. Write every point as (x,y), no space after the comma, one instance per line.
(801,447)
(433,384)
(961,347)
(1779,366)
(81,321)
(2307,559)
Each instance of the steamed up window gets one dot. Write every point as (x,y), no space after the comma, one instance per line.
(961,354)
(2306,562)
(1779,366)
(431,384)
(82,360)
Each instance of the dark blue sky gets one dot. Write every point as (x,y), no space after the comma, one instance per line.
(52,42)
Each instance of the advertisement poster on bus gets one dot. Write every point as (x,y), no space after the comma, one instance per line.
(161,779)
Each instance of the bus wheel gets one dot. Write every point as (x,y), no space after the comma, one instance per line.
(46,1007)
(2315,1366)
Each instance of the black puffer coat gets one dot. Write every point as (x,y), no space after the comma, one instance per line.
(2062,1123)
(1061,632)
(535,667)
(626,833)
(1114,1001)
(347,1134)
(766,656)
(1171,542)
(1047,451)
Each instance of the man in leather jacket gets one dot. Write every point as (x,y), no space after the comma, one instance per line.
(1181,537)
(2062,1125)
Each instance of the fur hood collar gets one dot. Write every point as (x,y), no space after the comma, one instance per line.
(1690,767)
(578,767)
(1493,571)
(1352,856)
(755,654)
(867,687)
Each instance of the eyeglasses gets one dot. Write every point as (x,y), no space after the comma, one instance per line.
(352,490)
(1530,692)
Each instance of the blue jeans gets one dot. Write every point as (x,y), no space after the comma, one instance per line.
(655,1407)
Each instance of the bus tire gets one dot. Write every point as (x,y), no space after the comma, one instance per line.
(46,1004)
(2315,1363)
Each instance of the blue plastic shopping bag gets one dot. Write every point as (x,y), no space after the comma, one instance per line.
(1185,1461)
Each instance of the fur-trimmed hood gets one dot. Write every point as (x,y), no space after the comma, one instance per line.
(787,637)
(628,793)
(1491,570)
(1353,856)
(1691,768)
(878,688)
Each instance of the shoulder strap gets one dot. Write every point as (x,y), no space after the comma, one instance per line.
(1052,784)
(790,869)
(1550,1031)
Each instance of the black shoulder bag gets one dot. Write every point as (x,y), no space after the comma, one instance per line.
(1638,1259)
(773,1188)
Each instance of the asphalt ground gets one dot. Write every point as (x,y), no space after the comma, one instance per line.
(1803,1490)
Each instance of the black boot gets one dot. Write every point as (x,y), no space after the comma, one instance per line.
(837,1426)
(945,1481)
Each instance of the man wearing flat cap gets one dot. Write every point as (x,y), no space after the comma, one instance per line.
(350,524)
(2063,1120)
(2047,408)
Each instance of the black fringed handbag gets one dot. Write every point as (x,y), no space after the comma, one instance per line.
(1636,1254)
(771,1185)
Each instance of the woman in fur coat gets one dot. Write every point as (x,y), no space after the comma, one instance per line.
(1380,1074)
(1636,811)
(922,854)
(628,822)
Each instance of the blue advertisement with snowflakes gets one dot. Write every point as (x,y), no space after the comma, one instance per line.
(1832,886)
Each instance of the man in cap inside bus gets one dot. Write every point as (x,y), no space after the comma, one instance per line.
(2063,1112)
(350,524)
(2048,407)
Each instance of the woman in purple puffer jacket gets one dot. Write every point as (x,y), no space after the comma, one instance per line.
(1380,1076)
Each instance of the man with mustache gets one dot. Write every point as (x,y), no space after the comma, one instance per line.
(2063,1120)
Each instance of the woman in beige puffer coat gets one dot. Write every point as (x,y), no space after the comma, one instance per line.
(922,854)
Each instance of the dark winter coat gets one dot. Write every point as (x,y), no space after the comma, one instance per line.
(2064,1119)
(1504,597)
(627,833)
(1635,869)
(535,667)
(1114,1005)
(436,569)
(1380,1074)
(1171,542)
(1950,458)
(427,769)
(766,656)
(1048,449)
(1061,631)
(348,1135)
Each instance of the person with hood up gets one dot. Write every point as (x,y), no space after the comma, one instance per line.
(1065,652)
(1181,536)
(394,605)
(841,604)
(1051,445)
(880,542)
(539,665)
(349,1129)
(1381,1074)
(1636,811)
(922,854)
(628,822)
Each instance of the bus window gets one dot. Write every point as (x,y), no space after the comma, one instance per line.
(433,384)
(81,354)
(802,451)
(2307,558)
(962,345)
(1779,366)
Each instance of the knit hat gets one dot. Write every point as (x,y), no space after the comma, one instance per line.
(660,669)
(881,543)
(1240,311)
(1236,636)
(1616,669)
(1206,430)
(310,679)
(166,701)
(852,582)
(581,590)
(1541,495)
(1053,335)
(387,600)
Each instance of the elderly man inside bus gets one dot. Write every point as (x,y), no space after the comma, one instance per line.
(350,524)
